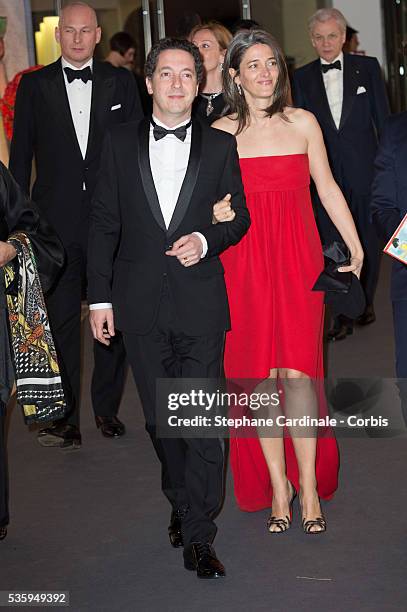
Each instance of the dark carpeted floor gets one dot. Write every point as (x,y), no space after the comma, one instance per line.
(94,522)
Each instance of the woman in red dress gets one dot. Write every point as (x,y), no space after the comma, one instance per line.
(277,320)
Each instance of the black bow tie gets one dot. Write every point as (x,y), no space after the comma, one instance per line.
(161,132)
(336,65)
(85,74)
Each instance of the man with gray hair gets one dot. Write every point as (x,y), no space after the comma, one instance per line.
(347,95)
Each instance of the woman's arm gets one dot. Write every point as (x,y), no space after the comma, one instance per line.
(329,193)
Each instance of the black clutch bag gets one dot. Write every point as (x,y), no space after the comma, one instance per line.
(343,291)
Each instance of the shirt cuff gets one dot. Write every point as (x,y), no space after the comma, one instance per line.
(204,243)
(100,305)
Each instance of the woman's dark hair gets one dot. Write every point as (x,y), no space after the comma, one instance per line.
(236,101)
(167,44)
(122,42)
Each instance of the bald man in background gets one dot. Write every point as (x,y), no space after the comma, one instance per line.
(62,114)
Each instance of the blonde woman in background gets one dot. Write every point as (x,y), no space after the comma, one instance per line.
(212,40)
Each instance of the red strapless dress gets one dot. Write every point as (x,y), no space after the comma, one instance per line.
(277,321)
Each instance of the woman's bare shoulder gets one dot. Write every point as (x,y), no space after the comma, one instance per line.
(299,115)
(227,124)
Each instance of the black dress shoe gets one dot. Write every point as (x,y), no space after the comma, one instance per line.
(367,317)
(3,532)
(174,528)
(339,333)
(110,427)
(60,435)
(202,558)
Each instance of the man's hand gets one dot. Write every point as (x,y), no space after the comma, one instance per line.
(187,249)
(223,211)
(7,253)
(102,324)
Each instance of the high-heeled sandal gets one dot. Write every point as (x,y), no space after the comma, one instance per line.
(3,532)
(308,525)
(282,523)
(318,521)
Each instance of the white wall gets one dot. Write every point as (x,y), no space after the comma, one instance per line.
(365,16)
(296,38)
(16,56)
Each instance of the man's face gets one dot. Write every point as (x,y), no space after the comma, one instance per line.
(128,58)
(78,34)
(327,39)
(353,43)
(173,86)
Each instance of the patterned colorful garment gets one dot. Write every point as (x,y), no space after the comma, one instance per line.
(38,380)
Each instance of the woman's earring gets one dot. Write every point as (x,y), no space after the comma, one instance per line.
(221,66)
(239,88)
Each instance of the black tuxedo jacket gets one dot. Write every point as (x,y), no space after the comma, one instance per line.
(351,148)
(43,128)
(389,192)
(126,219)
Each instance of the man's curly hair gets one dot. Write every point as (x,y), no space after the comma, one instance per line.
(166,44)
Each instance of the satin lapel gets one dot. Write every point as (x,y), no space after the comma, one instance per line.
(190,178)
(146,174)
(350,83)
(56,96)
(318,94)
(102,93)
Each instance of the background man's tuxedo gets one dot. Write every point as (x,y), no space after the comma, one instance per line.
(351,148)
(44,129)
(389,206)
(173,317)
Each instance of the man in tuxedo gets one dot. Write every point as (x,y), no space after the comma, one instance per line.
(61,115)
(153,207)
(389,206)
(347,95)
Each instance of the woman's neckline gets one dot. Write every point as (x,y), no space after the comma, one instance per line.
(280,155)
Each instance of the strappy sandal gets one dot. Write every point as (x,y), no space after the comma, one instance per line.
(308,525)
(282,523)
(3,532)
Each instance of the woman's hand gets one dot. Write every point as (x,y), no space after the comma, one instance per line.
(223,211)
(355,266)
(7,253)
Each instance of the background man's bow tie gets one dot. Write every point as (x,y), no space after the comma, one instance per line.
(160,132)
(336,65)
(85,74)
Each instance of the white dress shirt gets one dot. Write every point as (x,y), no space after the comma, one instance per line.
(80,99)
(333,81)
(169,159)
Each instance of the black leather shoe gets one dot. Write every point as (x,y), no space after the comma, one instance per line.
(367,317)
(339,333)
(202,558)
(3,532)
(174,528)
(60,435)
(110,427)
